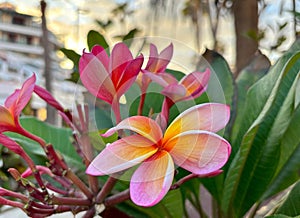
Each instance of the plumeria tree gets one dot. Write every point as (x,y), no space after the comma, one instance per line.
(152,161)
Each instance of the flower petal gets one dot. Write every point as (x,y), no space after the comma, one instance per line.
(129,75)
(164,58)
(175,92)
(153,58)
(6,120)
(120,58)
(163,79)
(101,54)
(11,145)
(46,96)
(158,62)
(95,77)
(121,155)
(16,102)
(199,152)
(195,83)
(141,125)
(209,116)
(152,180)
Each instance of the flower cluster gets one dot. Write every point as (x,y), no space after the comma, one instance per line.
(189,141)
(156,146)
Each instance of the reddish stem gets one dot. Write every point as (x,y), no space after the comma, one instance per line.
(117,198)
(70,201)
(116,109)
(106,189)
(183,180)
(5,192)
(76,181)
(4,201)
(141,104)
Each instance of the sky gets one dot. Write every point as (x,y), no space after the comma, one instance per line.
(63,17)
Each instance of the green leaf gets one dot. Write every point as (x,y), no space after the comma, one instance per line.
(128,38)
(95,38)
(177,74)
(289,164)
(100,142)
(279,216)
(153,104)
(60,138)
(221,86)
(171,207)
(270,104)
(72,55)
(295,46)
(247,77)
(291,206)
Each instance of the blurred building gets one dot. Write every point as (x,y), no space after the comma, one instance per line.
(21,54)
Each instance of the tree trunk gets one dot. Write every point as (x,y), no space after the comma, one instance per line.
(51,113)
(246,21)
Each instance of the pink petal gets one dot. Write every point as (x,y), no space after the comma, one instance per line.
(11,145)
(153,58)
(95,77)
(6,120)
(144,126)
(199,152)
(209,116)
(121,155)
(164,58)
(195,83)
(20,98)
(175,92)
(158,62)
(120,58)
(129,75)
(46,96)
(101,54)
(163,79)
(152,180)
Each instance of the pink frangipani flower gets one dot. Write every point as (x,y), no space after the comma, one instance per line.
(189,142)
(156,64)
(13,106)
(189,87)
(108,78)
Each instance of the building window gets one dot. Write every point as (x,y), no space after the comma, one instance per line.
(12,37)
(29,40)
(18,21)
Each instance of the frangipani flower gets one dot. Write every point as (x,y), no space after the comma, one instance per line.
(157,64)
(189,87)
(13,106)
(108,78)
(189,142)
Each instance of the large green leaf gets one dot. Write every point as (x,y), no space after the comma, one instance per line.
(269,108)
(60,138)
(291,206)
(246,78)
(289,164)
